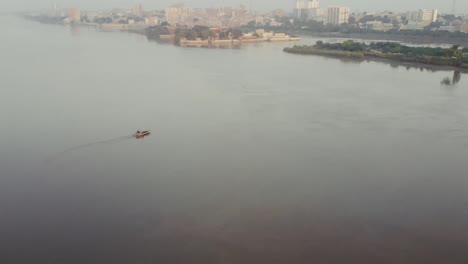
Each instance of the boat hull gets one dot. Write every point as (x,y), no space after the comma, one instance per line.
(142,134)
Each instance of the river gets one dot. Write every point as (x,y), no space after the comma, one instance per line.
(256,156)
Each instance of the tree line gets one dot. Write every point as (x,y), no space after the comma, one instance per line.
(453,56)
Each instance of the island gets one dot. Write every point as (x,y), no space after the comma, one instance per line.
(454,57)
(205,36)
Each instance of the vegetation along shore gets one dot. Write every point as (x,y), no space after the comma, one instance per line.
(454,57)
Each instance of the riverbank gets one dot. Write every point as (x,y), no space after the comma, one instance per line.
(206,36)
(411,39)
(292,36)
(183,42)
(431,58)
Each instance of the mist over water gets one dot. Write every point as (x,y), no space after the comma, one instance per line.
(256,156)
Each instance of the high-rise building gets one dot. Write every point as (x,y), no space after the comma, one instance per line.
(313,4)
(177,14)
(304,8)
(423,15)
(300,8)
(318,14)
(74,14)
(138,9)
(419,20)
(315,12)
(337,15)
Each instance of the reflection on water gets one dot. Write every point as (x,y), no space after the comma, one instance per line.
(160,41)
(213,46)
(447,81)
(392,64)
(74,30)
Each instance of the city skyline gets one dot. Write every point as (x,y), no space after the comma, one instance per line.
(261,5)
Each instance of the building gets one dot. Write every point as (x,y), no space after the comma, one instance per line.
(423,16)
(313,4)
(261,20)
(153,20)
(138,9)
(177,14)
(305,7)
(74,14)
(414,26)
(450,28)
(420,20)
(379,26)
(337,15)
(300,8)
(464,27)
(318,14)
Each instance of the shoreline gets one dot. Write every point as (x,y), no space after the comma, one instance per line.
(138,29)
(418,40)
(384,36)
(234,41)
(367,58)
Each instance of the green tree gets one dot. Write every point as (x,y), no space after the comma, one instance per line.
(236,33)
(455,54)
(251,24)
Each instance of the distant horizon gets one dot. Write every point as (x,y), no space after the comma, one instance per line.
(443,6)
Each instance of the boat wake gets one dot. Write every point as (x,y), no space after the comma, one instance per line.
(88,145)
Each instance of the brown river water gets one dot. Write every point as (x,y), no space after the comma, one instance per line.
(256,156)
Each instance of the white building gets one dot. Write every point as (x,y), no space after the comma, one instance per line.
(153,20)
(301,8)
(318,14)
(177,14)
(337,15)
(424,16)
(379,26)
(305,7)
(313,4)
(138,9)
(419,20)
(448,28)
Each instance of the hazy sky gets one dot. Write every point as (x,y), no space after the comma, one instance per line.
(396,5)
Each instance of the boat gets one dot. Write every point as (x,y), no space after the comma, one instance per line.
(140,134)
